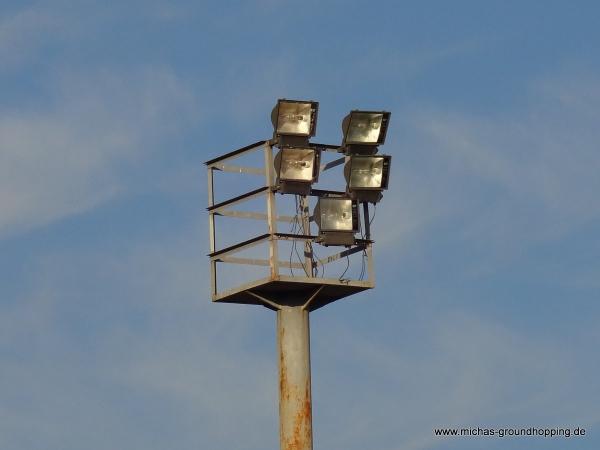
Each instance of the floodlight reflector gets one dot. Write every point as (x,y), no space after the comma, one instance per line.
(365,127)
(296,168)
(336,214)
(295,117)
(367,172)
(296,164)
(337,219)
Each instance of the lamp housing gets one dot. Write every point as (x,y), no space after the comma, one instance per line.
(367,176)
(294,121)
(297,168)
(337,219)
(364,131)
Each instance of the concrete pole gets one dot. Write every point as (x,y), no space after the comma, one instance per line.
(295,411)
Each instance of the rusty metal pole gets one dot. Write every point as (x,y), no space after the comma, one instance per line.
(295,410)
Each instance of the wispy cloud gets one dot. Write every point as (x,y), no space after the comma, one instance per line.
(529,175)
(68,155)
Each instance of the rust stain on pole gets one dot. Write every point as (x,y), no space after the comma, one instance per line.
(301,437)
(283,383)
(295,409)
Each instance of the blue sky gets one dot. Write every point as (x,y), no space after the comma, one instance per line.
(486,309)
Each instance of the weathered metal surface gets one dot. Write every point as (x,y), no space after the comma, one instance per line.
(235,200)
(253,215)
(235,248)
(271,211)
(239,169)
(235,154)
(350,251)
(306,304)
(295,409)
(268,303)
(258,262)
(212,232)
(332,164)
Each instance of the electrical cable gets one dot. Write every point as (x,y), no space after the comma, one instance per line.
(293,224)
(374,212)
(347,266)
(301,226)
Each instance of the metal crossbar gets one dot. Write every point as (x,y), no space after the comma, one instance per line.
(252,215)
(239,169)
(332,164)
(238,199)
(235,153)
(257,262)
(332,258)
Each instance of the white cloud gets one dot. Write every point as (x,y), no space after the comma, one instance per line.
(523,176)
(66,156)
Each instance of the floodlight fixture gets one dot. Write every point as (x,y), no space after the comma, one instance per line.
(296,168)
(294,121)
(367,176)
(337,219)
(364,131)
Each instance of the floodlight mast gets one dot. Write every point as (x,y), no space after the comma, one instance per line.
(292,297)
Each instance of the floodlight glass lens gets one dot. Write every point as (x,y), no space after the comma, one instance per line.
(294,118)
(336,214)
(297,164)
(366,172)
(364,128)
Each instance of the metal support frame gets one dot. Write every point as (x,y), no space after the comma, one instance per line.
(212,232)
(271,237)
